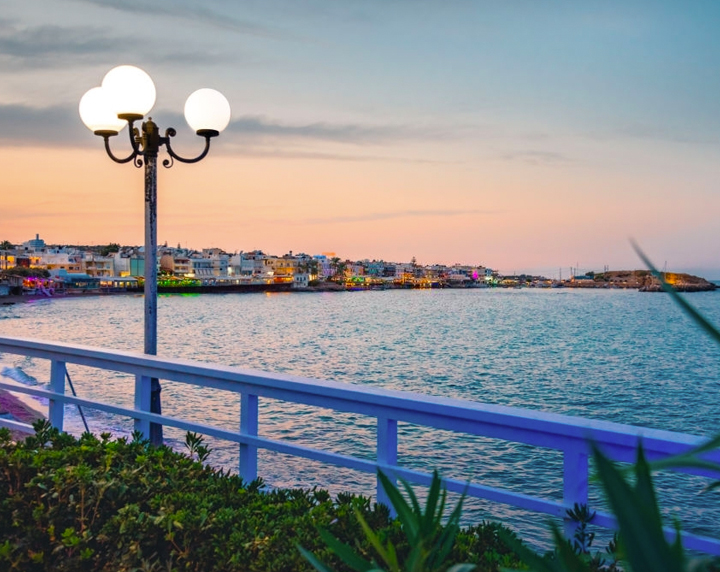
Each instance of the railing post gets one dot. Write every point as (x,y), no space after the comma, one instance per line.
(575,484)
(248,426)
(386,453)
(143,395)
(56,409)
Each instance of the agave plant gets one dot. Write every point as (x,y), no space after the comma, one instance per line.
(430,541)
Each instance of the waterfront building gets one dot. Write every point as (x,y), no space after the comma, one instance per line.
(137,266)
(324,268)
(282,266)
(249,263)
(356,269)
(73,281)
(234,264)
(137,261)
(220,264)
(404,273)
(8,259)
(182,266)
(98,266)
(457,278)
(34,244)
(301,280)
(121,263)
(375,268)
(5,256)
(69,262)
(200,267)
(118,283)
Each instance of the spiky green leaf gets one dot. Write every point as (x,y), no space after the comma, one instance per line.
(640,524)
(462,568)
(694,315)
(310,557)
(345,553)
(405,514)
(372,538)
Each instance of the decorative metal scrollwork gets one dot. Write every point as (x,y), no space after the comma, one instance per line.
(143,146)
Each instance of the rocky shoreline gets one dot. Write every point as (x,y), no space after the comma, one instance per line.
(644,281)
(680,288)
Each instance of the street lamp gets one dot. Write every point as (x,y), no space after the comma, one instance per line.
(126,95)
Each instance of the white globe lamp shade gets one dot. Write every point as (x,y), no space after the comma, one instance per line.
(207,111)
(97,112)
(131,91)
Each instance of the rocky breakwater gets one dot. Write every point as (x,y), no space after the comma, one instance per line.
(679,283)
(641,280)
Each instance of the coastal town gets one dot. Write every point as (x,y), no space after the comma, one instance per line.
(35,268)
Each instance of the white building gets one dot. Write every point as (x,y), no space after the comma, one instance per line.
(98,266)
(59,260)
(249,264)
(121,264)
(301,280)
(220,264)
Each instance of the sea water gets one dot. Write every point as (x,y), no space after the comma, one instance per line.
(617,355)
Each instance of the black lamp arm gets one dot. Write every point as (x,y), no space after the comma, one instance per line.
(127,159)
(171,133)
(134,135)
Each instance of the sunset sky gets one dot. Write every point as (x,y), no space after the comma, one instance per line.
(525,135)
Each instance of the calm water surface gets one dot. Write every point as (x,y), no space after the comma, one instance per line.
(616,355)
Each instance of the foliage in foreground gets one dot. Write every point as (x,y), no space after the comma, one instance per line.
(641,543)
(430,541)
(95,504)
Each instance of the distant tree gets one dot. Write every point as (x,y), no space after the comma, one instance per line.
(308,265)
(6,245)
(313,267)
(26,272)
(334,262)
(107,249)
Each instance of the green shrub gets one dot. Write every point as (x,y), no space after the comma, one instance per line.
(96,504)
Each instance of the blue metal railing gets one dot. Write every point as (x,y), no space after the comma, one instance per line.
(570,435)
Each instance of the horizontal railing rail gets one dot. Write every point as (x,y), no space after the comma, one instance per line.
(570,435)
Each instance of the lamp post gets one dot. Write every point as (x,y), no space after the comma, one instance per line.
(126,95)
